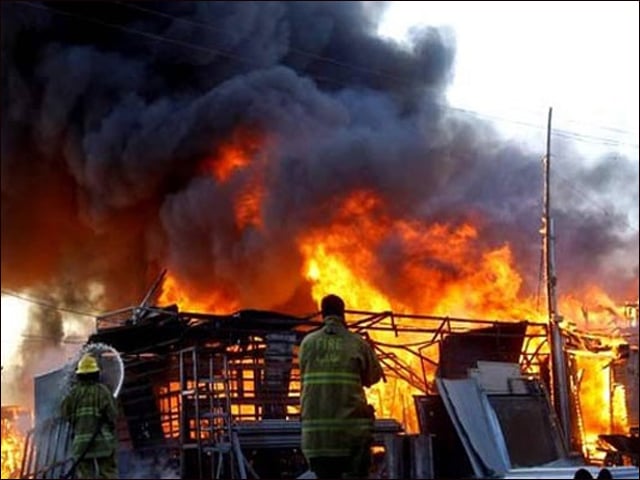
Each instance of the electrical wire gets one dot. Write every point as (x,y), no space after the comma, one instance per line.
(243,59)
(566,182)
(555,132)
(26,337)
(305,53)
(46,304)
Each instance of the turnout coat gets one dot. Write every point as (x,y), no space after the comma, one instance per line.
(335,365)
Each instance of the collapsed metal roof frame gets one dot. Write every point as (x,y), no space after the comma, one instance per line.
(439,327)
(150,334)
(188,327)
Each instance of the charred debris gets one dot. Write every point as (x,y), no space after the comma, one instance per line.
(216,396)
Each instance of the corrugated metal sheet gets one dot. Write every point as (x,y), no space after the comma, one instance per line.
(477,425)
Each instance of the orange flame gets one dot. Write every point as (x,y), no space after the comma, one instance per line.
(213,301)
(243,152)
(248,204)
(378,263)
(602,402)
(12,449)
(169,406)
(235,154)
(444,274)
(593,310)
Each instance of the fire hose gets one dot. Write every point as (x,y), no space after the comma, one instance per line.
(102,348)
(76,462)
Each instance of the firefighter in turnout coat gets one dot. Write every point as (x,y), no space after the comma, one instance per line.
(337,423)
(91,411)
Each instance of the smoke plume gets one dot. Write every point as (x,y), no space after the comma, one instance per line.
(114,117)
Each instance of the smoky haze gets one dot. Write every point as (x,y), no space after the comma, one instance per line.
(110,111)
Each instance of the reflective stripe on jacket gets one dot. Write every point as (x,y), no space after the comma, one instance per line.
(82,407)
(335,364)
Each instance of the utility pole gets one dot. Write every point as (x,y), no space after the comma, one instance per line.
(558,357)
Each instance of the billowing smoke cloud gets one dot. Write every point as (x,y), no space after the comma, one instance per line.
(110,112)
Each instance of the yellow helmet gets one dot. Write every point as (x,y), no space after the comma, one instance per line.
(87,364)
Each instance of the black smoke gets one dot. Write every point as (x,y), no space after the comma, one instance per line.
(109,110)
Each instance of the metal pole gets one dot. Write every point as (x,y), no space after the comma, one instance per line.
(559,361)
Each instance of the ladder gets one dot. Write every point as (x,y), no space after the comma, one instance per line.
(210,445)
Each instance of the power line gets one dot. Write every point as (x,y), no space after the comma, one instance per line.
(363,69)
(305,53)
(152,36)
(596,139)
(541,112)
(602,127)
(27,337)
(182,43)
(246,60)
(587,197)
(46,304)
(555,132)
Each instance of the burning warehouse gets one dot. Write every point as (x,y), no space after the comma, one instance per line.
(267,154)
(217,396)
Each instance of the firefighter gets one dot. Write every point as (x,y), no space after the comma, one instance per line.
(91,411)
(337,423)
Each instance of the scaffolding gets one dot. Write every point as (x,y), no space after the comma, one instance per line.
(207,425)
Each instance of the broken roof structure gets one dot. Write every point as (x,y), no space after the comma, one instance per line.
(208,396)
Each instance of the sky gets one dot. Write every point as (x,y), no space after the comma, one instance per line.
(514,60)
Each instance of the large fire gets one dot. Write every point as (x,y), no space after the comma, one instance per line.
(377,262)
(380,262)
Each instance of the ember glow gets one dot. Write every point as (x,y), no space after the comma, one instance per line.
(235,154)
(240,154)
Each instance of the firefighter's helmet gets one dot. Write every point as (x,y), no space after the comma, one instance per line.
(87,364)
